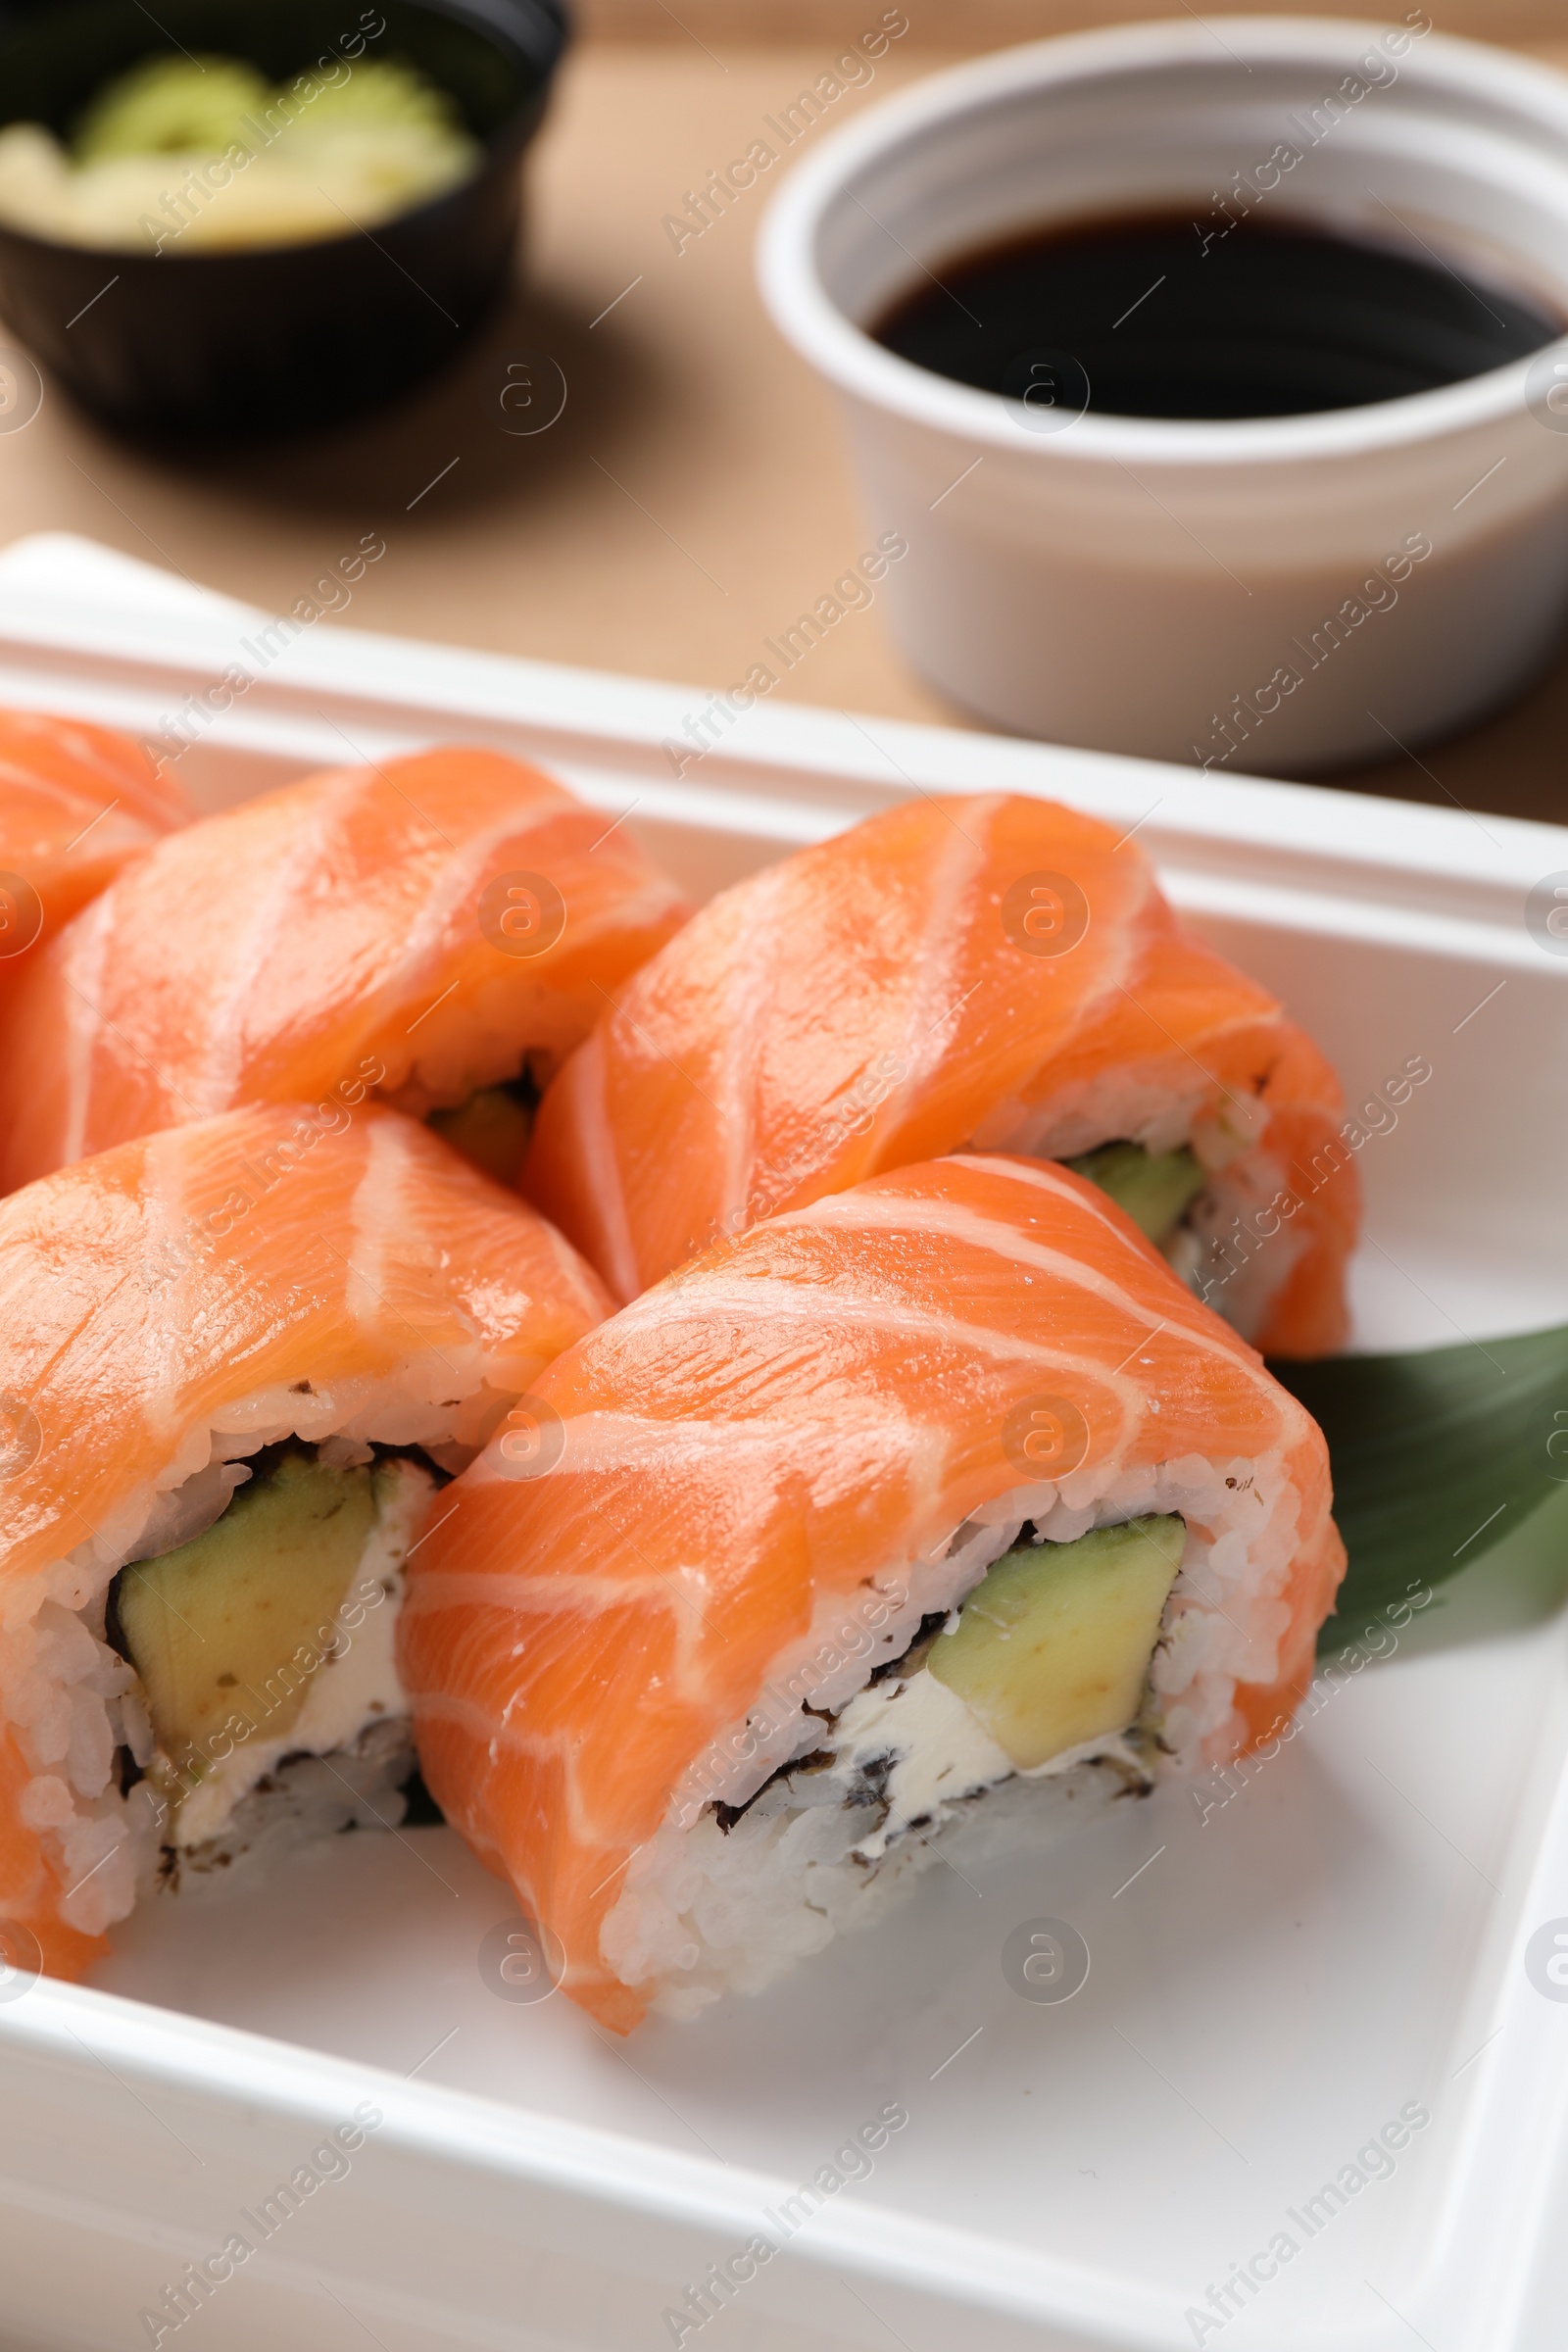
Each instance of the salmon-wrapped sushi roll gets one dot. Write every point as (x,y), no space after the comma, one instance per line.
(76,803)
(443,929)
(236,1361)
(920,1512)
(996,974)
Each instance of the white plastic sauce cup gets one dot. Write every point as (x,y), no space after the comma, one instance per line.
(1283,595)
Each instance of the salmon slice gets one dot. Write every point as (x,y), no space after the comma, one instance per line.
(178,1302)
(998,972)
(76,803)
(431,929)
(677,1524)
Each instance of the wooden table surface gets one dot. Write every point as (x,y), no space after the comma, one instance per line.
(694,495)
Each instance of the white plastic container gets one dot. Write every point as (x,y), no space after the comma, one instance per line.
(1246,594)
(1280,1966)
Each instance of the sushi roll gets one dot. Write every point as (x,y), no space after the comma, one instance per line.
(935,1512)
(988,974)
(237,1361)
(76,803)
(442,929)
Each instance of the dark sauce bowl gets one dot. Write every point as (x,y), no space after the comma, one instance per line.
(270,339)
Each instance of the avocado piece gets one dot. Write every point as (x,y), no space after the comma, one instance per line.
(491,1130)
(385,94)
(1052,1646)
(174,105)
(230,1629)
(211,104)
(1154,1188)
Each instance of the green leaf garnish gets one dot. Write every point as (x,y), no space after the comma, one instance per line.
(1436,1457)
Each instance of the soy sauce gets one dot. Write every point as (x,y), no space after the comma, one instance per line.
(1156,315)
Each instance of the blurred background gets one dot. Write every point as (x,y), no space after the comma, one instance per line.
(692,495)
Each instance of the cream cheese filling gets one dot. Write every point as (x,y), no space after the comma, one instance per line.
(940,1751)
